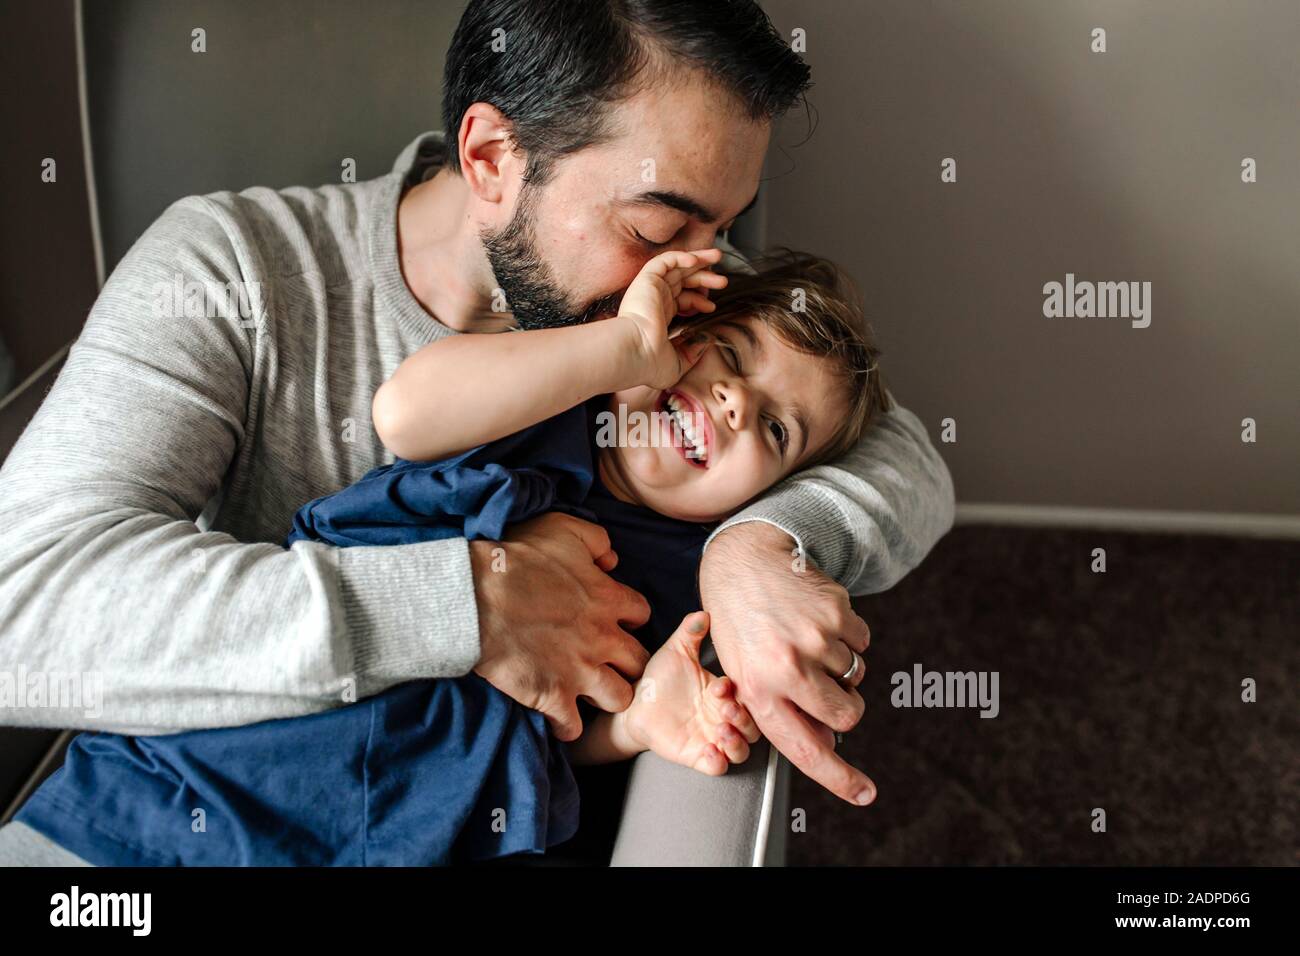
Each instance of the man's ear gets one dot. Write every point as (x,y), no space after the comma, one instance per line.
(489,162)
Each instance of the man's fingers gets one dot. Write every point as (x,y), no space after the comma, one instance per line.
(791,733)
(840,659)
(628,606)
(856,634)
(824,698)
(609,691)
(593,536)
(627,655)
(563,719)
(824,733)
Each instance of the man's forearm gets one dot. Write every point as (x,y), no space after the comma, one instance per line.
(108,588)
(158,628)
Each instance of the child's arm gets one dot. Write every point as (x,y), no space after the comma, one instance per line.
(604,740)
(466,390)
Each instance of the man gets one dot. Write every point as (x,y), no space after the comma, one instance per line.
(551,189)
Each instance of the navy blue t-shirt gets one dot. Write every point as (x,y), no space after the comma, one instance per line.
(428,772)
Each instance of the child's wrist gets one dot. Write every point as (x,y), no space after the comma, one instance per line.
(632,357)
(622,736)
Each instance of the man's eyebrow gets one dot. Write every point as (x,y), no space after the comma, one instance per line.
(682,203)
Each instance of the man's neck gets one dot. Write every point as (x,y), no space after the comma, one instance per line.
(442,257)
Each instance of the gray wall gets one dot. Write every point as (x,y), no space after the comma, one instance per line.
(285,92)
(1122,165)
(47,260)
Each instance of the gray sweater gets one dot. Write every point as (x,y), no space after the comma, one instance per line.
(141,513)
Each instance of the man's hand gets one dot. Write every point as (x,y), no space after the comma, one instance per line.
(785,633)
(549,620)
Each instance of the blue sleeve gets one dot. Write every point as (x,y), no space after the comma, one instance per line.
(473,495)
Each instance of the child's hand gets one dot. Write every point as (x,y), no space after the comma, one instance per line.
(670,284)
(684,713)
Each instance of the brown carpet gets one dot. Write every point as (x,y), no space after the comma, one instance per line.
(1119,690)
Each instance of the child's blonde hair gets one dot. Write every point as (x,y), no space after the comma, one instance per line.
(812,306)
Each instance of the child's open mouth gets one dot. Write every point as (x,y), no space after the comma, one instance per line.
(690,431)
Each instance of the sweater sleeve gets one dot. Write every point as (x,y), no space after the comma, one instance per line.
(871,516)
(105,578)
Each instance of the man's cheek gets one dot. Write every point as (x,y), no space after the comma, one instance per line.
(599,272)
(621,262)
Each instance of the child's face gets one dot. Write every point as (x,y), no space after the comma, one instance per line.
(756,408)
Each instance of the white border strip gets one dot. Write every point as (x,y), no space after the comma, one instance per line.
(92,196)
(765,814)
(1122,519)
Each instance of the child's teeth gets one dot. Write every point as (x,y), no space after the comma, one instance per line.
(693,437)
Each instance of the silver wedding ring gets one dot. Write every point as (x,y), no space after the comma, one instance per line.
(852,672)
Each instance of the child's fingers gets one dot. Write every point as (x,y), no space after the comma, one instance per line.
(675,267)
(694,301)
(711,761)
(696,258)
(666,262)
(691,633)
(704,279)
(744,723)
(732,710)
(699,276)
(733,744)
(690,349)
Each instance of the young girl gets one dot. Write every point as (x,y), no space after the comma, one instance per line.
(655,433)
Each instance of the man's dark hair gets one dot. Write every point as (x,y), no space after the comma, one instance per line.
(565,62)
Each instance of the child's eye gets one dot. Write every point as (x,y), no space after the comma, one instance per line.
(779,432)
(732,354)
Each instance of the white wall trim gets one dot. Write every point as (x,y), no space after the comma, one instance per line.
(1123,519)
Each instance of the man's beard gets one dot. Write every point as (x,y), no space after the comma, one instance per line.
(530,290)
